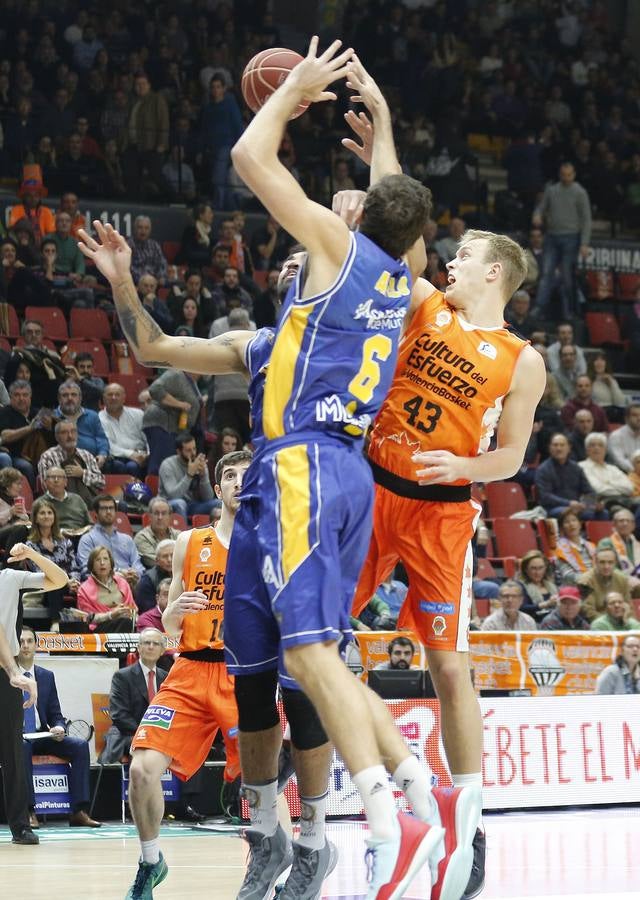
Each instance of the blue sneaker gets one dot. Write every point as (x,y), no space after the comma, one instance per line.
(149,875)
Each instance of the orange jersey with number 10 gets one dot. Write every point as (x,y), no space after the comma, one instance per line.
(447,393)
(205,562)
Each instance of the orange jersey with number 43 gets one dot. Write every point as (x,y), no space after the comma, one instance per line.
(205,562)
(447,393)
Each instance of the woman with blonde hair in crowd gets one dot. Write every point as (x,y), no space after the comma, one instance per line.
(538,585)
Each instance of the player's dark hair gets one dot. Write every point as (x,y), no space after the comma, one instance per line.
(400,642)
(395,213)
(231,459)
(182,438)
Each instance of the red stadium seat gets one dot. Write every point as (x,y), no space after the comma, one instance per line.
(152,482)
(114,482)
(543,538)
(123,360)
(20,342)
(5,345)
(514,537)
(91,324)
(485,570)
(123,524)
(604,330)
(200,519)
(53,321)
(97,351)
(504,498)
(597,530)
(260,278)
(170,250)
(27,493)
(10,328)
(132,385)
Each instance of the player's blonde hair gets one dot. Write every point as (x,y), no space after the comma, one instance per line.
(507,252)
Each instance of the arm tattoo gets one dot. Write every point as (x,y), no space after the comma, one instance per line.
(137,324)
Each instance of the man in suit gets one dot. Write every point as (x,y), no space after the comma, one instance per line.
(132,689)
(45,716)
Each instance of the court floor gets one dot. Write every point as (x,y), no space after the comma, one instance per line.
(575,854)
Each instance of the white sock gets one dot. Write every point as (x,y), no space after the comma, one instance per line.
(150,851)
(263,806)
(415,784)
(379,805)
(465,781)
(312,813)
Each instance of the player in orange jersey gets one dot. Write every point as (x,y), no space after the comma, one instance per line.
(197,698)
(459,373)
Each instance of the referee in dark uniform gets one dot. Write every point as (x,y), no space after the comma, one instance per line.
(13,681)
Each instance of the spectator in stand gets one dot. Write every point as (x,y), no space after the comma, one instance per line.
(605,389)
(146,254)
(230,397)
(61,289)
(392,593)
(132,689)
(238,318)
(47,718)
(566,616)
(189,318)
(447,247)
(28,253)
(566,375)
(14,518)
(31,192)
(159,529)
(19,286)
(152,618)
(574,554)
(266,306)
(509,617)
(565,212)
(147,587)
(229,441)
(91,385)
(90,434)
(533,255)
(105,534)
(114,119)
(538,585)
(623,676)
(18,426)
(219,261)
(617,615)
(232,234)
(582,427)
(71,510)
(197,239)
(20,133)
(194,289)
(565,338)
(46,539)
(147,141)
(178,176)
(634,476)
(625,441)
(612,487)
(519,317)
(105,595)
(561,484)
(184,479)
(176,406)
(270,245)
(220,127)
(90,147)
(69,204)
(114,173)
(435,271)
(230,293)
(158,309)
(82,173)
(128,450)
(583,399)
(69,259)
(625,545)
(599,581)
(85,50)
(401,651)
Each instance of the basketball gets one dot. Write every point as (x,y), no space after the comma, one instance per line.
(265,73)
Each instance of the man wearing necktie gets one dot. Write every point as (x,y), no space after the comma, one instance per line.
(46,716)
(12,580)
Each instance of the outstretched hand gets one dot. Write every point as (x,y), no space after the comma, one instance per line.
(110,253)
(312,76)
(363,129)
(348,205)
(365,87)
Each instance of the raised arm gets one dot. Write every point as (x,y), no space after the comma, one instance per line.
(223,355)
(255,155)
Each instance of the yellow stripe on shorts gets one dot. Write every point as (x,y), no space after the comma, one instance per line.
(281,371)
(292,469)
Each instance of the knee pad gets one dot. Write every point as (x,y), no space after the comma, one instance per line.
(256,699)
(307,732)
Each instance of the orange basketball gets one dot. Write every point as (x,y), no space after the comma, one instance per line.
(265,73)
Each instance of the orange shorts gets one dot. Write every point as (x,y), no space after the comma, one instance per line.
(433,541)
(194,701)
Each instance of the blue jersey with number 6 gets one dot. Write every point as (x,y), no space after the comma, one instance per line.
(335,353)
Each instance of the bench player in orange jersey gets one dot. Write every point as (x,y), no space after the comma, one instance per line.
(197,698)
(459,374)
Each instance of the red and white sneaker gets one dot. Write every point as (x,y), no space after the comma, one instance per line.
(459,810)
(394,864)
